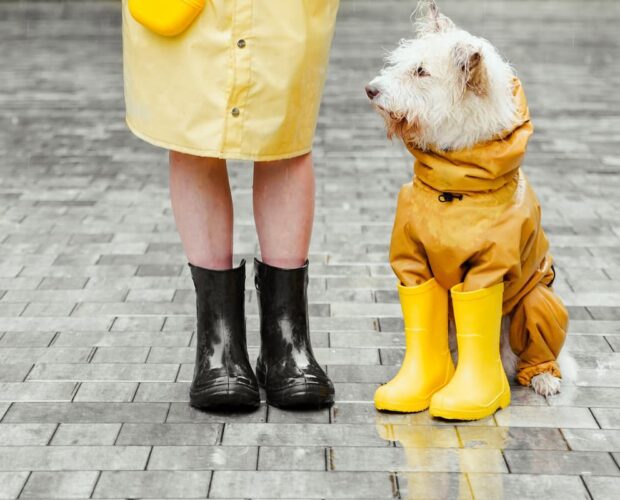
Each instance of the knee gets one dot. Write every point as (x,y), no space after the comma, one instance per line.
(184,161)
(178,158)
(301,162)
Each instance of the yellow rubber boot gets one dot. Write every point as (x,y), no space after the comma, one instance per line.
(479,386)
(427,366)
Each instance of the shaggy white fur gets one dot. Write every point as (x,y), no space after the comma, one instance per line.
(450,89)
(546,384)
(429,83)
(509,358)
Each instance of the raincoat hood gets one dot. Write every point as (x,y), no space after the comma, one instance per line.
(486,166)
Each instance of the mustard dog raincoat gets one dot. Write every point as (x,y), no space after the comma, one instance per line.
(471,216)
(243,81)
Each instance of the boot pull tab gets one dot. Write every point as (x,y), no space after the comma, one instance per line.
(448,197)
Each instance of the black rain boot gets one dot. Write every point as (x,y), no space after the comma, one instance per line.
(223,376)
(286,366)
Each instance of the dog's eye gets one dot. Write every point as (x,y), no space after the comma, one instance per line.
(420,71)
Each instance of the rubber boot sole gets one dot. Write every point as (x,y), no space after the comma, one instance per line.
(417,407)
(299,395)
(403,408)
(500,403)
(225,396)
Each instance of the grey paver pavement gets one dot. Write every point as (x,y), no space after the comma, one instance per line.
(96,303)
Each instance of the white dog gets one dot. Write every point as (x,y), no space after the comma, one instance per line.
(448,90)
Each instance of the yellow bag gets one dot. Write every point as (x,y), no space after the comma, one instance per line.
(166,17)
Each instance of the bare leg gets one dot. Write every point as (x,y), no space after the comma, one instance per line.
(202,206)
(203,210)
(284,210)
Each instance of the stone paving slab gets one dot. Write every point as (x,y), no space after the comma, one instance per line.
(96,302)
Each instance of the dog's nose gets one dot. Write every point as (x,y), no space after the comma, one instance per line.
(371,91)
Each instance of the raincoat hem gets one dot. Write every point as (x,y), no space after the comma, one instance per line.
(525,375)
(224,155)
(418,289)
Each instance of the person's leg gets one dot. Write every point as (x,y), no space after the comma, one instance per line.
(202,206)
(284,210)
(203,210)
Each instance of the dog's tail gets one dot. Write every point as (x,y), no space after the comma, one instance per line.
(568,366)
(509,358)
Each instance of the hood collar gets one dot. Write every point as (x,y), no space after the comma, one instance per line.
(486,166)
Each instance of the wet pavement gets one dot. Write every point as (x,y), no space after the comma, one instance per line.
(96,303)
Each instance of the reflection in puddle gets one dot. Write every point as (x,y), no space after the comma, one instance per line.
(444,461)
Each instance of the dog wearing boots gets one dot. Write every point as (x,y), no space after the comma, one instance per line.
(467,229)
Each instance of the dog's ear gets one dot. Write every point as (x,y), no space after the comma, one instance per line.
(472,69)
(429,20)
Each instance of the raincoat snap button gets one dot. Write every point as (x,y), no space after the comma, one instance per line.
(235,112)
(448,197)
(241,43)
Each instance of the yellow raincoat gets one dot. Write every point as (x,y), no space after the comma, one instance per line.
(471,216)
(243,81)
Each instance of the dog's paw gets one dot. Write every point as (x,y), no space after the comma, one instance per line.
(546,384)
